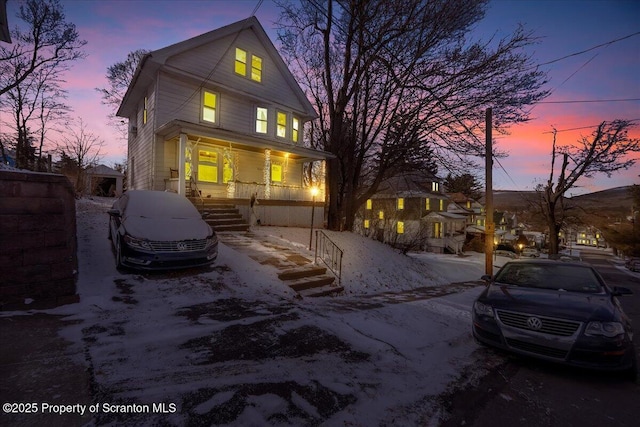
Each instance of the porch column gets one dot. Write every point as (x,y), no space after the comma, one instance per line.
(182,149)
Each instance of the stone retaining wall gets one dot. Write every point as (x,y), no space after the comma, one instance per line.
(38,259)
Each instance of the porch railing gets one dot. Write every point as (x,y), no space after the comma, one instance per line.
(329,253)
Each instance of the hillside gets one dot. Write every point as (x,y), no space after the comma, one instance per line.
(614,200)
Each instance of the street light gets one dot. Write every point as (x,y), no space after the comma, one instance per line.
(495,249)
(520,246)
(314,193)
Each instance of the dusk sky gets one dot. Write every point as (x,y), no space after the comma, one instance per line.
(113,28)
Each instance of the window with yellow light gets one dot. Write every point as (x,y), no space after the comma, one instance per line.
(207,166)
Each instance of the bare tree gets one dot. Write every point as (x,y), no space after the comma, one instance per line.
(47,41)
(119,76)
(397,84)
(83,149)
(31,76)
(607,150)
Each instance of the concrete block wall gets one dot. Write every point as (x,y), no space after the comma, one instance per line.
(38,247)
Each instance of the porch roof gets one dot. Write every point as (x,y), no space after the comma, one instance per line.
(219,136)
(439,216)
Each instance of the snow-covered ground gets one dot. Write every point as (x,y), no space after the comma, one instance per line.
(234,346)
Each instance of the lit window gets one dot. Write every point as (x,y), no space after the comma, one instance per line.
(400,227)
(144,110)
(261,120)
(369,204)
(468,204)
(427,204)
(437,230)
(400,204)
(209,107)
(256,68)
(281,125)
(381,215)
(241,62)
(207,166)
(441,204)
(296,129)
(366,223)
(276,173)
(435,186)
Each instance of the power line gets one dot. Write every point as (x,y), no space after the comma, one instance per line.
(590,49)
(585,101)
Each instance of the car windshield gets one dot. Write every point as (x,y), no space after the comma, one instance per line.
(562,277)
(158,204)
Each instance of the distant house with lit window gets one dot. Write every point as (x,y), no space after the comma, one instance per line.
(220,116)
(411,212)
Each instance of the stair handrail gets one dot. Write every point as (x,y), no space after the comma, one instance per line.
(330,254)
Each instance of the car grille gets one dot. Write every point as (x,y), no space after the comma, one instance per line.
(560,327)
(178,246)
(542,350)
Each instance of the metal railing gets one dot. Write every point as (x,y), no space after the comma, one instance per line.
(329,253)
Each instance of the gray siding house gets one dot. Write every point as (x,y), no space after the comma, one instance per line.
(220,116)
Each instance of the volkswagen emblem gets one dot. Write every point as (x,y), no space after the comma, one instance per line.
(182,246)
(534,323)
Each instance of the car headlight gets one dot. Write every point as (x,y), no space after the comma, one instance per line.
(212,240)
(606,329)
(137,243)
(483,309)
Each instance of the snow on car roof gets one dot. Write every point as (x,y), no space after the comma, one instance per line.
(159,204)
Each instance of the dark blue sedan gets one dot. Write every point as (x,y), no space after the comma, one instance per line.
(558,311)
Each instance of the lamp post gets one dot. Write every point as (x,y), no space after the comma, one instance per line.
(520,246)
(495,249)
(314,192)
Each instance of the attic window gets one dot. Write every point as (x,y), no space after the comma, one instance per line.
(256,68)
(241,61)
(435,186)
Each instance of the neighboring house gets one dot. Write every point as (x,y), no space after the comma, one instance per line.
(590,236)
(220,116)
(103,181)
(410,211)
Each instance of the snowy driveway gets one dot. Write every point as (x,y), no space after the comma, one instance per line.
(232,345)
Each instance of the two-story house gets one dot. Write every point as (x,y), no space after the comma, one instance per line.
(411,211)
(220,116)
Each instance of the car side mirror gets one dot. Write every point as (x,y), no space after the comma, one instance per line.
(618,291)
(113,212)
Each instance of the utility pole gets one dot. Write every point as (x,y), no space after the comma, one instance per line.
(489,226)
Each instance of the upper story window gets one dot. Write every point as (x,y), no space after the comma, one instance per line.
(369,204)
(261,120)
(427,204)
(400,203)
(295,131)
(281,125)
(381,215)
(441,205)
(145,110)
(241,65)
(209,106)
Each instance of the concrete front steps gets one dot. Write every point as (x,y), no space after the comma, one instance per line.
(310,281)
(293,268)
(221,215)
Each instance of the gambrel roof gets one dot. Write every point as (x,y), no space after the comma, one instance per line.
(156,60)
